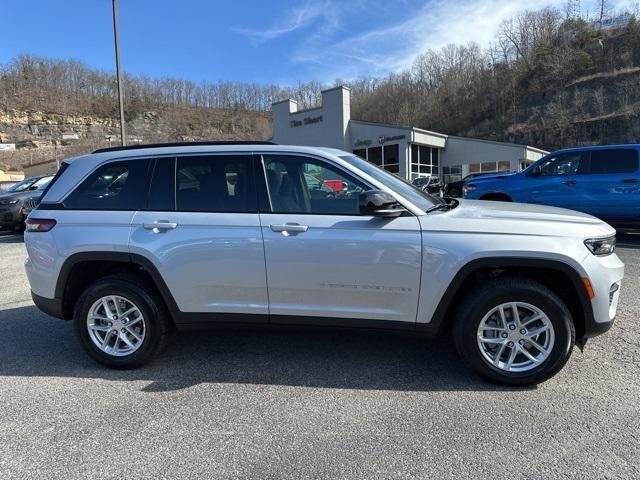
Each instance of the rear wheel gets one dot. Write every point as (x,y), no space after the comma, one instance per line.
(514,331)
(121,322)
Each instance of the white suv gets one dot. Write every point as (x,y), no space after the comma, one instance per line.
(133,242)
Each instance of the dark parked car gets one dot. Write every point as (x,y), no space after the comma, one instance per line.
(429,183)
(12,201)
(30,203)
(455,189)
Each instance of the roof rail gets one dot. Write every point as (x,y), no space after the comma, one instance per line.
(182,144)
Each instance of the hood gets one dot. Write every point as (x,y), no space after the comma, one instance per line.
(16,195)
(491,177)
(526,219)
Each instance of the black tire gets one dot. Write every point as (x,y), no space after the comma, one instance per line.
(145,297)
(513,289)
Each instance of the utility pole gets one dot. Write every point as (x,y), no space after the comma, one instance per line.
(118,74)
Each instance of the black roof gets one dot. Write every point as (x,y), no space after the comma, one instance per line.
(182,144)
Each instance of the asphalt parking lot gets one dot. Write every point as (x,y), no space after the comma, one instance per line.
(307,404)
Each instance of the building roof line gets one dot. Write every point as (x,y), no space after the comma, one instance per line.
(306,110)
(283,101)
(343,87)
(496,142)
(402,127)
(43,162)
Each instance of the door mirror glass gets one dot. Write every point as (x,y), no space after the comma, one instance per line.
(379,204)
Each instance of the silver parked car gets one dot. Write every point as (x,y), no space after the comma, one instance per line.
(132,242)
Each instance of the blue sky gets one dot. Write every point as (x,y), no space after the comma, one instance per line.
(256,41)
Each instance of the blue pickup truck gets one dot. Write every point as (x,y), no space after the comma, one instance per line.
(603,181)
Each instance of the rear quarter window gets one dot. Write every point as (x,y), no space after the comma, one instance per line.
(620,160)
(117,185)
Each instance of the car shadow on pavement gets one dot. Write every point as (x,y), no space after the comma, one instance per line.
(7,236)
(34,344)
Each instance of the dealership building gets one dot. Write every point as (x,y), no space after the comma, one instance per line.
(406,151)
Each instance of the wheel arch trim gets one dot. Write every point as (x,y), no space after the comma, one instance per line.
(438,318)
(496,192)
(122,257)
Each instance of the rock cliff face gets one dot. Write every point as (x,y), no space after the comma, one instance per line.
(41,136)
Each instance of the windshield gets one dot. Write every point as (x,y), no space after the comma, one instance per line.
(22,186)
(416,196)
(42,183)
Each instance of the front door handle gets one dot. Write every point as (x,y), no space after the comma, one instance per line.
(289,228)
(160,225)
(569,182)
(630,180)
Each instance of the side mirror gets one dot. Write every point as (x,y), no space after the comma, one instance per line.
(536,171)
(379,204)
(32,187)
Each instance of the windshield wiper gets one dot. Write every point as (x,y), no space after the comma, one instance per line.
(444,205)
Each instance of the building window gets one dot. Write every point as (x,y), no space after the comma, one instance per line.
(391,161)
(362,153)
(526,163)
(452,173)
(375,155)
(488,167)
(474,167)
(424,161)
(504,166)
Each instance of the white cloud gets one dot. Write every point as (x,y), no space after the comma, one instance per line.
(304,16)
(393,47)
(331,51)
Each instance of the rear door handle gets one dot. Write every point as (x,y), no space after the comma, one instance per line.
(289,228)
(630,180)
(160,225)
(569,182)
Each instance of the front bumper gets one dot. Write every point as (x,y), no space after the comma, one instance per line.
(10,218)
(605,275)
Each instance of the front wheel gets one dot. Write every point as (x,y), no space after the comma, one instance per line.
(514,331)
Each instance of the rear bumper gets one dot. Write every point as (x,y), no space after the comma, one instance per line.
(50,306)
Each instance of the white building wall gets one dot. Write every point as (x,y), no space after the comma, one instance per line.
(330,125)
(368,135)
(324,126)
(466,151)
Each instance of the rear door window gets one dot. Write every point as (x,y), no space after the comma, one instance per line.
(119,185)
(617,160)
(215,183)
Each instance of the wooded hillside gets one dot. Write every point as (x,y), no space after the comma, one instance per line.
(551,79)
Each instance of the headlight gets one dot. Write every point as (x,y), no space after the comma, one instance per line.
(10,202)
(601,246)
(468,188)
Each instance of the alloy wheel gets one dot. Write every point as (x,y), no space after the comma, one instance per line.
(116,325)
(515,337)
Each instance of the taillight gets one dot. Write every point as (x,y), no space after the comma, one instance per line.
(39,224)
